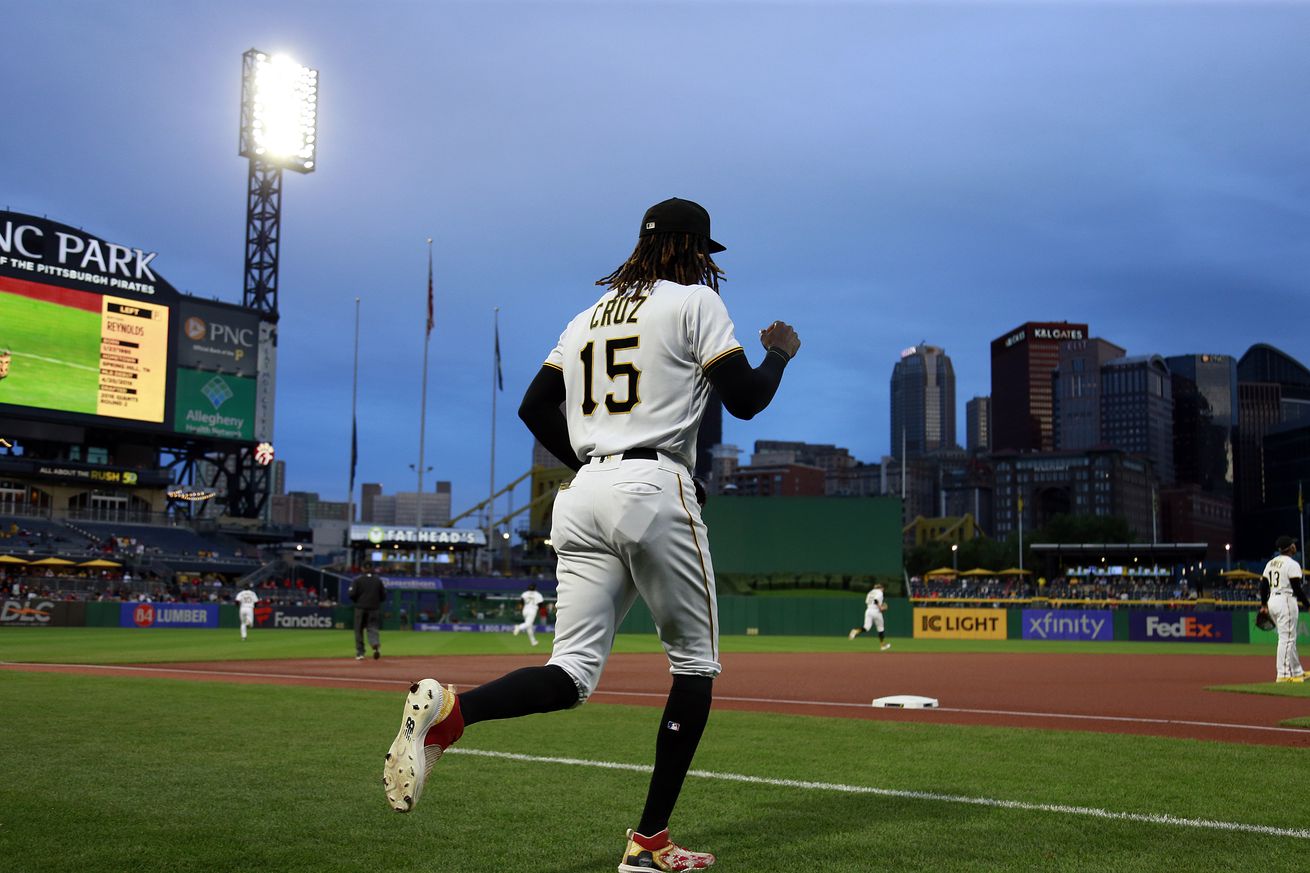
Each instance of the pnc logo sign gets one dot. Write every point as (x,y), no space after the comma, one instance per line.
(195,329)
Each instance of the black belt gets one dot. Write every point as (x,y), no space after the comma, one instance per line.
(641,455)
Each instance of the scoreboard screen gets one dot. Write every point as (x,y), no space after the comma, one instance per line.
(79,351)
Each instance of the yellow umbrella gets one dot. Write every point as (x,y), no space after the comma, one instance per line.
(53,562)
(940,571)
(1239,573)
(99,562)
(979,571)
(1014,571)
(10,559)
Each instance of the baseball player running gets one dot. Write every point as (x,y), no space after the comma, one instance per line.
(531,603)
(1280,594)
(873,606)
(246,600)
(633,371)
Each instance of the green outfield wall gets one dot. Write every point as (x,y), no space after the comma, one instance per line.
(769,536)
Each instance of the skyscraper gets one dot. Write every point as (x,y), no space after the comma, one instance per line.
(978,425)
(1076,393)
(923,401)
(1205,416)
(1022,362)
(1137,410)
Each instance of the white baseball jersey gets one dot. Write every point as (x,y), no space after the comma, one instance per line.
(1280,572)
(873,600)
(634,369)
(247,599)
(531,600)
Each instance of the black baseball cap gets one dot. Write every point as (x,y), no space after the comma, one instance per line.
(676,215)
(1284,542)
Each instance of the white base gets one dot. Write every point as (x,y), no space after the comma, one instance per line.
(905,701)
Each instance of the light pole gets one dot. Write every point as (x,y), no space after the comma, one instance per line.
(955,548)
(1228,556)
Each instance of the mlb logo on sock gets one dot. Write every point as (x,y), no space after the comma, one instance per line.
(673,726)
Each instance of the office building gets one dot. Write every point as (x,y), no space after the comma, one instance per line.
(1022,362)
(978,425)
(1137,411)
(1076,392)
(1101,482)
(923,401)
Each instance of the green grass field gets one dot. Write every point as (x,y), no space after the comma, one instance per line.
(114,774)
(129,645)
(56,354)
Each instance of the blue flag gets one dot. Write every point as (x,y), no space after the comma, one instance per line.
(500,378)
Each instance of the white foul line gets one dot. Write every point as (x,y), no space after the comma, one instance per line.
(1060,809)
(661,695)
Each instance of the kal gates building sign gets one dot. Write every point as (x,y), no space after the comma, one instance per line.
(1196,627)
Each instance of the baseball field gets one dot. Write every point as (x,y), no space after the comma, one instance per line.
(164,750)
(55,353)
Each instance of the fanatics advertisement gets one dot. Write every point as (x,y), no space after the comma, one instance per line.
(168,615)
(1196,627)
(268,616)
(1068,624)
(960,624)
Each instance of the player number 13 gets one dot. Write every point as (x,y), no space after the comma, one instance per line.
(615,369)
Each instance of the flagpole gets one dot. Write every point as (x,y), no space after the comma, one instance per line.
(491,490)
(422,425)
(354,436)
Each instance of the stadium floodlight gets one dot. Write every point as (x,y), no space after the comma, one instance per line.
(279,111)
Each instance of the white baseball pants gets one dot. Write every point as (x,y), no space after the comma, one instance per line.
(623,529)
(529,623)
(246,618)
(872,617)
(1284,611)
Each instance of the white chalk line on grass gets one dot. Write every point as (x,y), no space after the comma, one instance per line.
(839,788)
(662,695)
(64,363)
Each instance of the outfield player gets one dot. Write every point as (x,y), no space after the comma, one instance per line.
(531,603)
(1280,595)
(246,600)
(633,372)
(873,606)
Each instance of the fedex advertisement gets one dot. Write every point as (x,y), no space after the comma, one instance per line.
(1192,627)
(1068,624)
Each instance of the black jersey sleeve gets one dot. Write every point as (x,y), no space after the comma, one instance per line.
(541,412)
(746,391)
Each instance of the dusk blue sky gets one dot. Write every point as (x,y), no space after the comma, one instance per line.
(882,174)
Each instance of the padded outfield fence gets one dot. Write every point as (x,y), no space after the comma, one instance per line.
(1032,619)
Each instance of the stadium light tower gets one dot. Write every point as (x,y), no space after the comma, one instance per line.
(279,130)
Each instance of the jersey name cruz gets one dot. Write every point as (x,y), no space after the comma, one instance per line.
(617,310)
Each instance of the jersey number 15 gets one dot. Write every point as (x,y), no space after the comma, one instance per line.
(615,369)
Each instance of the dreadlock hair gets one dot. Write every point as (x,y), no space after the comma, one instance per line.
(678,257)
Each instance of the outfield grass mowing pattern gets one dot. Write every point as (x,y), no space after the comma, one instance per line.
(56,354)
(117,774)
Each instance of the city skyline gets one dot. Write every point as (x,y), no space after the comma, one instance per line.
(1135,167)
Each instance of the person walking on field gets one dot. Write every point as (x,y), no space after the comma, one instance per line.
(1281,593)
(633,372)
(246,600)
(368,592)
(532,599)
(874,604)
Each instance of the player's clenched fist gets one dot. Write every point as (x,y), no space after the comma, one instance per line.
(781,336)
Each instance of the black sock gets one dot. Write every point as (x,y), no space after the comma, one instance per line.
(880,636)
(680,728)
(523,692)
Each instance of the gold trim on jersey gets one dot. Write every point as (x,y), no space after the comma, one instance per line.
(552,366)
(719,357)
(704,574)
